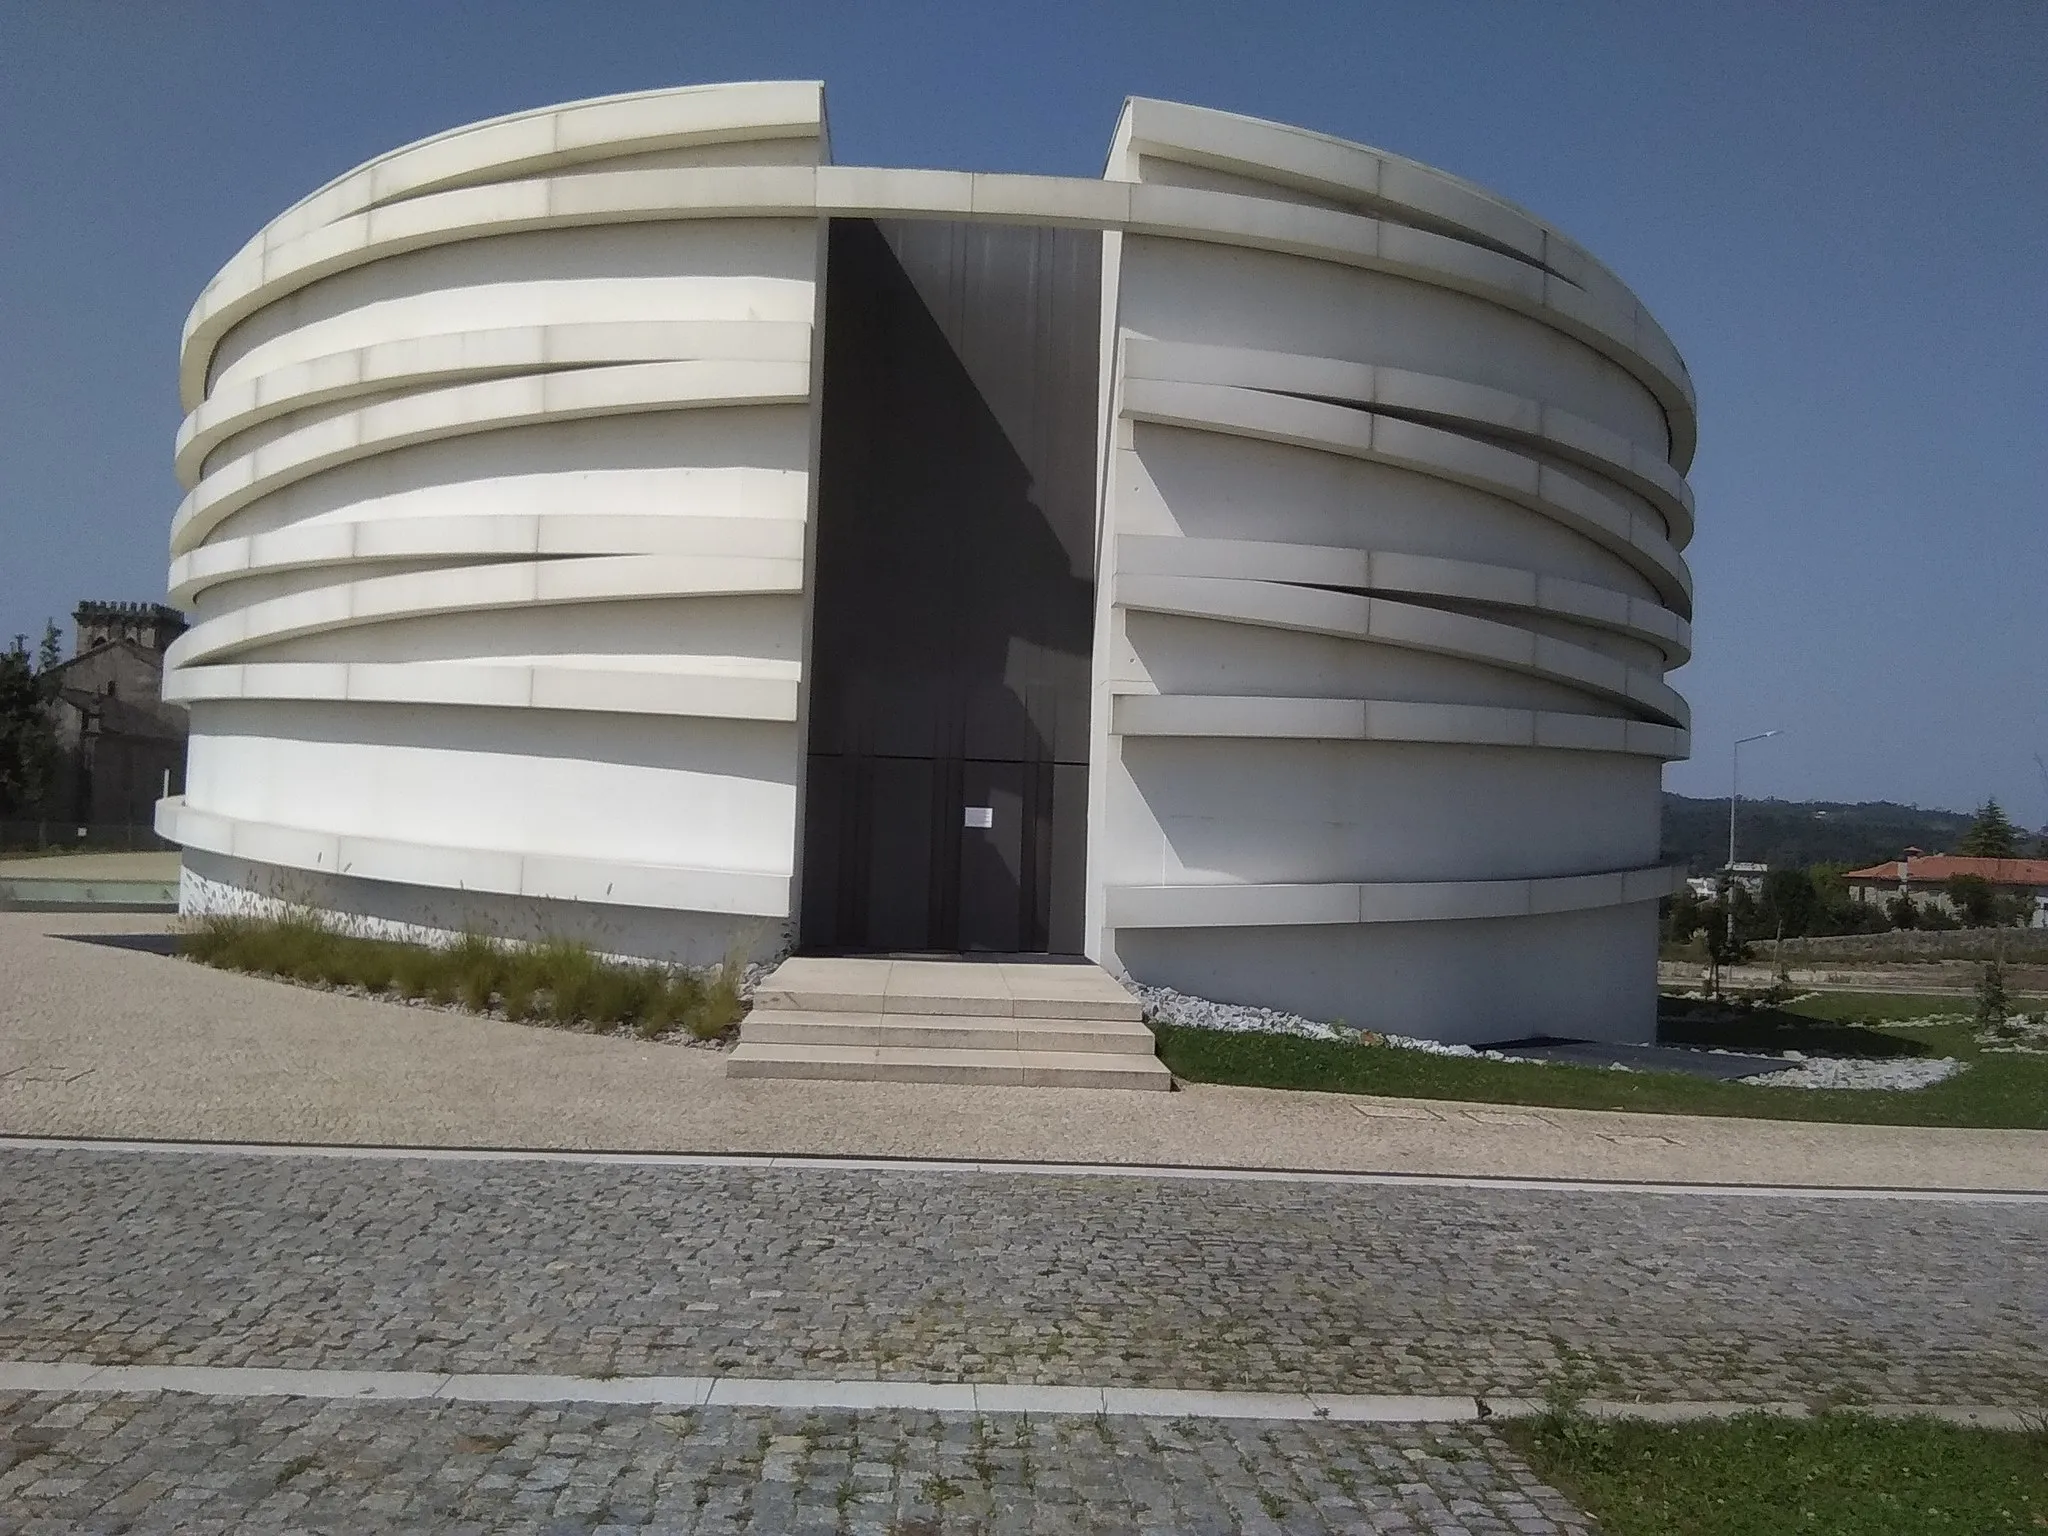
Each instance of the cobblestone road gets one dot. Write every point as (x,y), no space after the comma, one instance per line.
(207,1464)
(114,1257)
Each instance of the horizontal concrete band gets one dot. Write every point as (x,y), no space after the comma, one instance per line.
(1278,906)
(1301,165)
(473,588)
(1291,159)
(501,535)
(1539,487)
(1256,716)
(257,277)
(433,415)
(705,691)
(1392,573)
(1433,399)
(455,356)
(1410,626)
(888,1396)
(724,892)
(550,138)
(528,143)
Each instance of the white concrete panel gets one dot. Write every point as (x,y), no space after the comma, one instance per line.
(1172,653)
(715,794)
(1578,975)
(1212,485)
(1290,811)
(694,270)
(1183,290)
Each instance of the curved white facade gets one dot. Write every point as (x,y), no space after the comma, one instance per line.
(502,463)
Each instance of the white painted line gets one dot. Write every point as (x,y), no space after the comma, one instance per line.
(917,1396)
(582,1157)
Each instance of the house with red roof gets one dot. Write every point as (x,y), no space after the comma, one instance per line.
(1922,878)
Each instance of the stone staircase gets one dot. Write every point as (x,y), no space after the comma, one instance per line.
(1050,1024)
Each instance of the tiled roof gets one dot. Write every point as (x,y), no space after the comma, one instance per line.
(1936,867)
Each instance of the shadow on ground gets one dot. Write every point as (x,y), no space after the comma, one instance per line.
(1683,1021)
(141,943)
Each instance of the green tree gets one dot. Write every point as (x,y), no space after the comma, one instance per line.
(28,743)
(51,651)
(1973,898)
(1993,1002)
(1991,835)
(1791,903)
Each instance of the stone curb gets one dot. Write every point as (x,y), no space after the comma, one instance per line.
(914,1396)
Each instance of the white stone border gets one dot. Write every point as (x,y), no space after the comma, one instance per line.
(892,1396)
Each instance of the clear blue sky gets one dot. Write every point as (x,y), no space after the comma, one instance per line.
(1839,212)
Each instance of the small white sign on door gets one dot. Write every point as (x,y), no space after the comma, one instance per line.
(981,816)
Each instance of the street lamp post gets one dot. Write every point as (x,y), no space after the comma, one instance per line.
(1734,780)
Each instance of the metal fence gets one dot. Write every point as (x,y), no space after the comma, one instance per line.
(75,836)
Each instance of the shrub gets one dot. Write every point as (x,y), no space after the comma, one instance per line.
(559,977)
(1993,1002)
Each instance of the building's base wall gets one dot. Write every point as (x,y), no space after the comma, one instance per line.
(214,884)
(1588,975)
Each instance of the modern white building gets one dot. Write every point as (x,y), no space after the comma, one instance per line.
(1255,569)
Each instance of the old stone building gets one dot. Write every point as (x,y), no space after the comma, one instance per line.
(117,735)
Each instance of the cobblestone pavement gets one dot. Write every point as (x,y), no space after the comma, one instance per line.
(206,1259)
(212,1464)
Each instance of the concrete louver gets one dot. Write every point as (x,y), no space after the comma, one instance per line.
(1049,1025)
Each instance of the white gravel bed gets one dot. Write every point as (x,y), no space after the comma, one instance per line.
(1187,1012)
(1862,1072)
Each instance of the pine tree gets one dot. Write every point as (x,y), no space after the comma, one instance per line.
(51,651)
(1991,836)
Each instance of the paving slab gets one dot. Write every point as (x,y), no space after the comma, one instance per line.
(109,1039)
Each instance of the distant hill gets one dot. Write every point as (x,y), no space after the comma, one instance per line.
(1783,832)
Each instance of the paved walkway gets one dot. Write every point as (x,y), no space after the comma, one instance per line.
(205,1465)
(604,1269)
(101,1040)
(617,1272)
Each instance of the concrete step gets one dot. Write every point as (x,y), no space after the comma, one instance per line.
(950,988)
(899,1064)
(782,1026)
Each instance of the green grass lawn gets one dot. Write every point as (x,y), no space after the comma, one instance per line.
(1997,1090)
(1840,1474)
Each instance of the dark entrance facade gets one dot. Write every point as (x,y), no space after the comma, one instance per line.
(946,791)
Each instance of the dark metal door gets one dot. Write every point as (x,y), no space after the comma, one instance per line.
(953,614)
